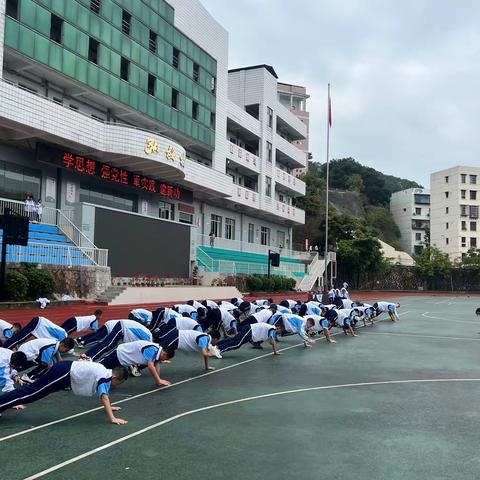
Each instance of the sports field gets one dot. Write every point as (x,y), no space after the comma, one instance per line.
(400,401)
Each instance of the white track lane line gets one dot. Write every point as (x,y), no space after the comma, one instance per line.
(448,319)
(233,402)
(134,397)
(440,337)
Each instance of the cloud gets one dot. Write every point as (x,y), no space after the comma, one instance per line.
(404,75)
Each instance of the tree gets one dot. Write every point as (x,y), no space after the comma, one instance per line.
(355,183)
(472,258)
(381,223)
(433,264)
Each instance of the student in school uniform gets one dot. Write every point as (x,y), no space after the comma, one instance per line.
(161,316)
(140,354)
(141,315)
(178,323)
(40,353)
(193,341)
(227,305)
(39,327)
(230,319)
(318,324)
(262,316)
(289,324)
(331,295)
(263,303)
(8,330)
(309,308)
(95,337)
(123,331)
(291,304)
(8,375)
(210,304)
(367,313)
(82,324)
(251,333)
(341,319)
(387,307)
(195,304)
(84,378)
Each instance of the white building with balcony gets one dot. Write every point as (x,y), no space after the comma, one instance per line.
(455,209)
(140,135)
(411,211)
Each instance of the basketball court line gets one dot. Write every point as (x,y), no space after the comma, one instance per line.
(440,337)
(134,397)
(234,402)
(448,319)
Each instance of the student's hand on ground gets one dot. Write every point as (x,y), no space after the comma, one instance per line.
(210,368)
(19,407)
(163,383)
(277,353)
(116,409)
(119,421)
(333,341)
(166,361)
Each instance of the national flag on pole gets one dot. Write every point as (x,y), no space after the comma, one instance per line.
(329,108)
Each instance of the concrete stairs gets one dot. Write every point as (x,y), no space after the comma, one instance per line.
(110,294)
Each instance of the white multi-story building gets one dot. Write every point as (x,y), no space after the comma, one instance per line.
(455,204)
(411,211)
(124,118)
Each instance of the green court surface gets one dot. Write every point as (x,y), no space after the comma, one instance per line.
(400,401)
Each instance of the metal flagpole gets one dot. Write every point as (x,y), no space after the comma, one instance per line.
(329,124)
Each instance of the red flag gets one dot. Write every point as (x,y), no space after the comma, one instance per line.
(329,108)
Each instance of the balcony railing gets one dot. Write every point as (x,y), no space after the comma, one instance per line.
(289,181)
(244,157)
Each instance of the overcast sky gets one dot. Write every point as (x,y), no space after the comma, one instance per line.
(404,74)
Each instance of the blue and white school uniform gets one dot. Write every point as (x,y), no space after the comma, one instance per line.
(347,303)
(210,304)
(228,320)
(186,340)
(262,316)
(344,317)
(84,378)
(187,309)
(255,332)
(179,323)
(41,351)
(282,309)
(7,374)
(6,331)
(124,331)
(382,307)
(80,324)
(227,305)
(138,353)
(295,324)
(319,323)
(142,315)
(39,327)
(196,305)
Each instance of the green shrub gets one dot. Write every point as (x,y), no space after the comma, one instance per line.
(41,283)
(254,283)
(276,283)
(16,286)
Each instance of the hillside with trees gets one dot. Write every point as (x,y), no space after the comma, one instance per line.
(368,190)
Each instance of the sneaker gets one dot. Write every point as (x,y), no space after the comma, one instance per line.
(79,342)
(26,379)
(134,371)
(213,349)
(257,346)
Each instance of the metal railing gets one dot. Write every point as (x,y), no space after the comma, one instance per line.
(63,220)
(237,245)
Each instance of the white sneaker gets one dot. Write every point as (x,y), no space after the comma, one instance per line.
(79,343)
(213,349)
(134,371)
(26,379)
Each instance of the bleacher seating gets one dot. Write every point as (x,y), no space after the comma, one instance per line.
(47,244)
(233,261)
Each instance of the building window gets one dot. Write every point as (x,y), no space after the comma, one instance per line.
(464,241)
(270,117)
(446,179)
(16,181)
(195,110)
(166,211)
(58,100)
(216,224)
(124,69)
(56,29)
(473,243)
(213,120)
(473,226)
(446,241)
(446,194)
(463,177)
(213,85)
(446,210)
(11,9)
(473,211)
(196,72)
(464,210)
(473,194)
(418,237)
(126,22)
(418,211)
(93,50)
(175,57)
(280,239)
(269,152)
(152,42)
(446,226)
(185,218)
(268,187)
(473,179)
(265,236)
(251,233)
(229,228)
(107,198)
(463,194)
(464,225)
(152,84)
(174,98)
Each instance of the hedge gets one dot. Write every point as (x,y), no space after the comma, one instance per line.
(16,286)
(275,283)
